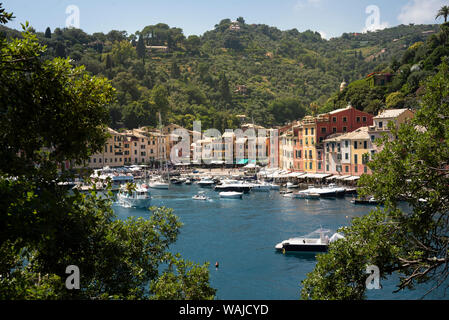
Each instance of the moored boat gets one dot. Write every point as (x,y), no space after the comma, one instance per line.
(308,243)
(231,195)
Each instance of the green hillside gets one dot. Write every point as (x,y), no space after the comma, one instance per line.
(269,75)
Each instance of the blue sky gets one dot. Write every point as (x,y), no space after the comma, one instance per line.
(329,17)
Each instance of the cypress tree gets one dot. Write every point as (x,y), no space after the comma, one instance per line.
(48,33)
(141,49)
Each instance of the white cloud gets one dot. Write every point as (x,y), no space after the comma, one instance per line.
(420,11)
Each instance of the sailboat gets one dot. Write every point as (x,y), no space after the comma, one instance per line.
(159,182)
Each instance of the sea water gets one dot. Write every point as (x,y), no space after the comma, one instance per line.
(240,234)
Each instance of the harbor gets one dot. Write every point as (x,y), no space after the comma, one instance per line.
(238,237)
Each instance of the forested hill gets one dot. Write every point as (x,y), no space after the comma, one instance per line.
(269,75)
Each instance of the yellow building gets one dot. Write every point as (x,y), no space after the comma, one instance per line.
(112,153)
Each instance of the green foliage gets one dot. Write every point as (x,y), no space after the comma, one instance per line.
(54,112)
(412,167)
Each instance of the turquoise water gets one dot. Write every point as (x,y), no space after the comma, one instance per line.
(241,234)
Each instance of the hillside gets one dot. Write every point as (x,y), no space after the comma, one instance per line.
(269,75)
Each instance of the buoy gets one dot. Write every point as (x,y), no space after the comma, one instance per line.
(216,265)
(283,250)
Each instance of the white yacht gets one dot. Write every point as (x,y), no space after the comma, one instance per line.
(231,195)
(309,243)
(158,183)
(261,187)
(291,185)
(206,182)
(139,197)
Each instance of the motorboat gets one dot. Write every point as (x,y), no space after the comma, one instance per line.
(206,182)
(137,197)
(369,201)
(291,185)
(231,195)
(339,191)
(304,195)
(261,187)
(323,192)
(233,186)
(309,243)
(188,182)
(176,181)
(200,196)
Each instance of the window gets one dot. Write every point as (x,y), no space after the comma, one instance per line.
(321,139)
(346,144)
(334,119)
(307,141)
(356,159)
(355,145)
(327,167)
(345,119)
(99,160)
(381,124)
(307,131)
(373,138)
(310,165)
(106,148)
(319,165)
(126,145)
(365,169)
(110,149)
(323,130)
(346,156)
(365,144)
(355,169)
(344,129)
(312,131)
(95,160)
(135,151)
(334,130)
(364,119)
(310,154)
(319,155)
(347,168)
(357,119)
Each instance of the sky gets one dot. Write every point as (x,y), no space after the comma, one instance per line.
(329,17)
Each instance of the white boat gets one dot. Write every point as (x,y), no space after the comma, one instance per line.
(200,196)
(323,192)
(291,185)
(206,182)
(261,187)
(139,197)
(158,184)
(231,195)
(188,182)
(303,195)
(309,243)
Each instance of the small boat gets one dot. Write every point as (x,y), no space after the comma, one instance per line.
(310,196)
(231,195)
(308,243)
(339,191)
(139,197)
(176,181)
(233,186)
(200,196)
(291,185)
(369,201)
(205,182)
(188,182)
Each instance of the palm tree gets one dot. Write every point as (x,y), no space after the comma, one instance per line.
(443,12)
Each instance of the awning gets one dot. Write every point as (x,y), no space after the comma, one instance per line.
(352,178)
(341,177)
(332,177)
(316,175)
(243,161)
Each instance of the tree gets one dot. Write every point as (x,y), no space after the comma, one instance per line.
(48,33)
(443,12)
(412,167)
(141,49)
(44,227)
